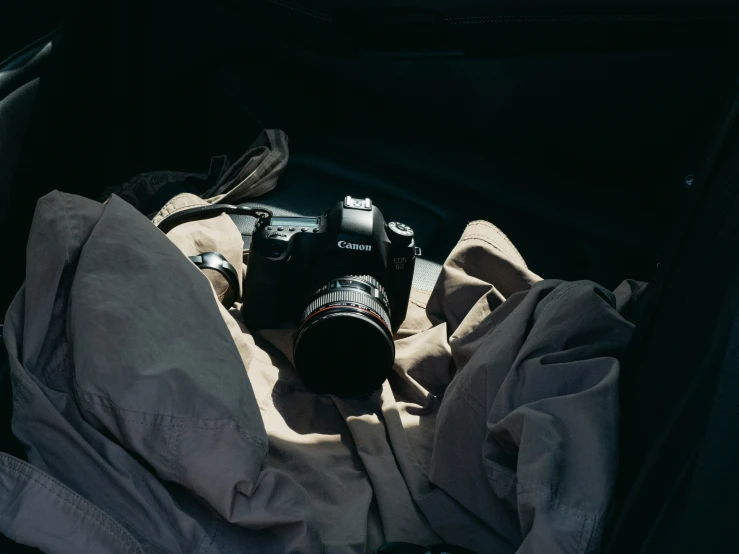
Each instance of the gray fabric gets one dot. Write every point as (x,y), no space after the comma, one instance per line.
(31,499)
(138,391)
(181,409)
(540,431)
(96,364)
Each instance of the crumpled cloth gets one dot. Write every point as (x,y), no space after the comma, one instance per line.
(181,430)
(255,173)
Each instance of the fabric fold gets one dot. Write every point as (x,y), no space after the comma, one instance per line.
(540,417)
(139,392)
(107,350)
(255,173)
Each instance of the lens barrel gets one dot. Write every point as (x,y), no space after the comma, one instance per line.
(344,345)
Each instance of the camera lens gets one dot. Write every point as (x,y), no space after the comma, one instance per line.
(344,345)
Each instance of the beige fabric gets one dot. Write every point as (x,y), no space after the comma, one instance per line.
(384,469)
(484,264)
(136,389)
(365,463)
(216,234)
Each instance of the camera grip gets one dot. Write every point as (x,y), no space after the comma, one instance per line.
(401,264)
(262,283)
(400,283)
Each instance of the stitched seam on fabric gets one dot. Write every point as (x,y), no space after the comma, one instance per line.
(177,441)
(24,381)
(564,508)
(118,413)
(579,537)
(587,538)
(498,232)
(103,524)
(556,296)
(418,303)
(52,369)
(473,403)
(215,533)
(426,292)
(170,454)
(170,208)
(74,224)
(59,366)
(69,226)
(483,238)
(515,255)
(107,402)
(18,395)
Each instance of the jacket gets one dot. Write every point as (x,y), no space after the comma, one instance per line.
(155,421)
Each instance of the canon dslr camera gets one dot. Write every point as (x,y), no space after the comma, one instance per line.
(344,278)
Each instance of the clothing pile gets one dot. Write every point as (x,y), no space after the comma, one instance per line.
(153,420)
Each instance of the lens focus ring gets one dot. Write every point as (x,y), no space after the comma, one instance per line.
(350,298)
(366,279)
(331,298)
(375,283)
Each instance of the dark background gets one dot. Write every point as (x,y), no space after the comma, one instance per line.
(570,127)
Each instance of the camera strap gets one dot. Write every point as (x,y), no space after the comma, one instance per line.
(206,212)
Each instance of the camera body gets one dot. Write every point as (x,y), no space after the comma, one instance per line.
(291,258)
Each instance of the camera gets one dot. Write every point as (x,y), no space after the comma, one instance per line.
(344,280)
